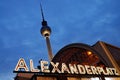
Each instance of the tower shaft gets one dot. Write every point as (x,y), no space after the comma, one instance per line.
(49,48)
(46,31)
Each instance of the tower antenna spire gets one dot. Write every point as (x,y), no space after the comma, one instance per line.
(42,12)
(46,32)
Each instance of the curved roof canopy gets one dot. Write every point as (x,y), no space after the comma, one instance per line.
(79,53)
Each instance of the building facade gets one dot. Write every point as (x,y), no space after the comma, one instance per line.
(100,54)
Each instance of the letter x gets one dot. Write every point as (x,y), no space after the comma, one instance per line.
(55,67)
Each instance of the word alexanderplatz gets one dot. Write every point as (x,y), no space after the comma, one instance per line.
(70,69)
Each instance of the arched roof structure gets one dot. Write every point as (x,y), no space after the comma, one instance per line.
(79,53)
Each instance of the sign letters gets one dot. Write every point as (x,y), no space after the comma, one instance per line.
(70,69)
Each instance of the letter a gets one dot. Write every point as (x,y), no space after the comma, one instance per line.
(21,65)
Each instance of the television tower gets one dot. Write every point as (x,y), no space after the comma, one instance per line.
(46,31)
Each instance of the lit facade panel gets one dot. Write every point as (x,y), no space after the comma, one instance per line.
(46,78)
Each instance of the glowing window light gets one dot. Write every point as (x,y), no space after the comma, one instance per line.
(89,52)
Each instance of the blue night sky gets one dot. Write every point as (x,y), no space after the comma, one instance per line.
(72,21)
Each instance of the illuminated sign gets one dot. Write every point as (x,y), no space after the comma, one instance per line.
(71,68)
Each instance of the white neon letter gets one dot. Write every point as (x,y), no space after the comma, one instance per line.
(55,67)
(32,69)
(81,69)
(94,70)
(64,68)
(44,66)
(88,69)
(73,68)
(21,65)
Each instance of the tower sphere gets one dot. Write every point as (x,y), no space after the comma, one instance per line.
(45,31)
